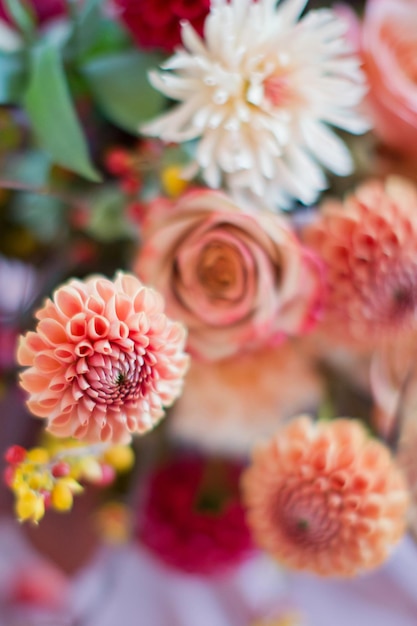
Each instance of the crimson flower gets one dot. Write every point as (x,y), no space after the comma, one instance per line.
(192,518)
(156,23)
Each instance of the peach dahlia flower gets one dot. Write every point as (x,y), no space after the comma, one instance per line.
(104,359)
(326,498)
(369,246)
(254,393)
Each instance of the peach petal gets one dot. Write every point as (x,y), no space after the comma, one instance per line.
(68,301)
(32,381)
(46,362)
(103,346)
(52,331)
(40,409)
(65,353)
(84,349)
(95,305)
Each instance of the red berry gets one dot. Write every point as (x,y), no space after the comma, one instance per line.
(118,162)
(46,498)
(60,469)
(108,475)
(136,211)
(8,475)
(130,184)
(15,455)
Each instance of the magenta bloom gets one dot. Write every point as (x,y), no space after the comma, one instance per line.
(156,23)
(192,518)
(104,360)
(44,9)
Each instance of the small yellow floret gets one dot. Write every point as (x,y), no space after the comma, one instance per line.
(120,457)
(172,182)
(72,484)
(90,469)
(29,506)
(39,480)
(38,455)
(61,497)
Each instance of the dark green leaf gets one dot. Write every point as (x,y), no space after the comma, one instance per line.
(120,85)
(12,77)
(51,111)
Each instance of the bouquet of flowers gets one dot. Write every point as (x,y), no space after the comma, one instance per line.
(208,276)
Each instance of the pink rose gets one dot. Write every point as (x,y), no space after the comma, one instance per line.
(389,43)
(236,280)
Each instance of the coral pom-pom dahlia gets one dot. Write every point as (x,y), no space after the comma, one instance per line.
(369,247)
(104,359)
(326,498)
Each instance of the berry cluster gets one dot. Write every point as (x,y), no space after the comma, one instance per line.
(49,476)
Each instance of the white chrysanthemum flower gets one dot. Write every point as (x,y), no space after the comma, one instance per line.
(258,93)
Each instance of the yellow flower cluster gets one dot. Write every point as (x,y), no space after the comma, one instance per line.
(288,619)
(49,476)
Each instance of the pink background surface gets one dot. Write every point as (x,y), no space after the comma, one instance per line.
(126,586)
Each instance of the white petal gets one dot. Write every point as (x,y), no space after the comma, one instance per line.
(308,169)
(327,147)
(191,40)
(173,86)
(290,10)
(348,120)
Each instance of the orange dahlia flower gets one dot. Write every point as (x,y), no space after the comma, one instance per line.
(326,498)
(104,360)
(369,245)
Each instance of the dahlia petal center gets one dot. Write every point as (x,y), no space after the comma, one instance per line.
(120,379)
(304,517)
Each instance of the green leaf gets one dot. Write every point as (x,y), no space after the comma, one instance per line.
(43,215)
(94,32)
(22,15)
(12,77)
(88,8)
(120,85)
(31,167)
(51,112)
(107,220)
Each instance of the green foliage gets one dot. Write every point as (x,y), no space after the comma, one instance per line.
(52,114)
(88,55)
(12,77)
(121,88)
(43,215)
(30,167)
(107,221)
(95,35)
(22,15)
